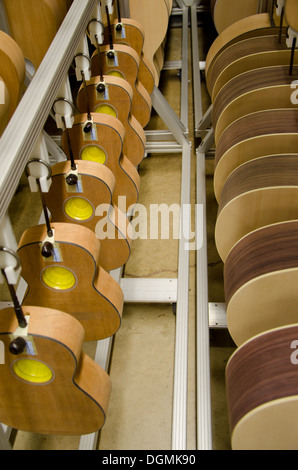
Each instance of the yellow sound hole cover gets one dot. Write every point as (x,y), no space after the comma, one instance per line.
(93,153)
(106,109)
(78,208)
(58,278)
(115,73)
(32,371)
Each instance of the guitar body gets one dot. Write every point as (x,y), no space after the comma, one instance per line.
(89,203)
(34,19)
(260,192)
(258,134)
(154,18)
(126,65)
(12,72)
(260,275)
(115,100)
(246,55)
(252,26)
(291,11)
(262,389)
(106,142)
(68,394)
(4,106)
(133,35)
(255,90)
(227,12)
(71,280)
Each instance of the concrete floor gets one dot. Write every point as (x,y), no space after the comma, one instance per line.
(140,410)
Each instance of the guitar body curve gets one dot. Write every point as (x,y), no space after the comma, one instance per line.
(72,398)
(71,280)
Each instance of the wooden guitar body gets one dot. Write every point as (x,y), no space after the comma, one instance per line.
(291,11)
(227,12)
(260,277)
(116,100)
(126,65)
(35,19)
(4,106)
(252,26)
(52,387)
(105,140)
(262,390)
(71,280)
(89,203)
(258,134)
(260,192)
(154,18)
(133,35)
(12,72)
(256,90)
(246,55)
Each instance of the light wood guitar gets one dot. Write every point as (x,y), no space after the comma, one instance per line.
(252,26)
(52,387)
(154,18)
(258,193)
(124,63)
(262,385)
(245,55)
(256,90)
(131,33)
(260,276)
(227,12)
(70,279)
(12,72)
(115,98)
(104,144)
(88,202)
(258,134)
(291,12)
(35,19)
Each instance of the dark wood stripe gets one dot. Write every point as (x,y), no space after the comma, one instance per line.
(244,48)
(271,248)
(261,371)
(264,77)
(264,172)
(273,121)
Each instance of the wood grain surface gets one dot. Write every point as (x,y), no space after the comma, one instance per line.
(75,402)
(127,63)
(260,277)
(258,193)
(262,133)
(256,90)
(96,299)
(252,26)
(96,186)
(227,12)
(262,390)
(109,137)
(118,94)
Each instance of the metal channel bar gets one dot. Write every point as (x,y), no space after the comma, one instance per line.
(29,118)
(204,426)
(198,112)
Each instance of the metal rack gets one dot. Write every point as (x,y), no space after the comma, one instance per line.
(30,117)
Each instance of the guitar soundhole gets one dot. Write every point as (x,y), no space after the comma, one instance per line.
(115,73)
(78,208)
(93,153)
(106,109)
(58,278)
(32,371)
